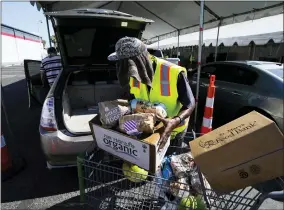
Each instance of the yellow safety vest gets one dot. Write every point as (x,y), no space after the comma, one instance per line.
(164,89)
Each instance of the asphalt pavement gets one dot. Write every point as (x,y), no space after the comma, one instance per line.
(36,187)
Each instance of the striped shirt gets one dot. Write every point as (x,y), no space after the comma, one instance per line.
(51,65)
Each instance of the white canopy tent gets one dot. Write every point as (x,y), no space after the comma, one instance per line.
(175,18)
(258,31)
(183,16)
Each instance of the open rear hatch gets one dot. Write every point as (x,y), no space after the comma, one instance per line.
(85,38)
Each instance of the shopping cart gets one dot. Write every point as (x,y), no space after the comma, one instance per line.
(103,185)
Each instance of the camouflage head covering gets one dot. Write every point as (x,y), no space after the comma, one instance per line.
(133,61)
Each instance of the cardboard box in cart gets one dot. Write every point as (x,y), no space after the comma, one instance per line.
(244,152)
(143,153)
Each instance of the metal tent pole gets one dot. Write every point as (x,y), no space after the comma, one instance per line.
(216,48)
(158,42)
(199,58)
(178,45)
(47,25)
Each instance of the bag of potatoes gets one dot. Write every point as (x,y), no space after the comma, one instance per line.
(136,124)
(111,111)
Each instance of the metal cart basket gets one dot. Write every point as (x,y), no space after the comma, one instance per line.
(104,185)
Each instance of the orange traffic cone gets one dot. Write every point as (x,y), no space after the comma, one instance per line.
(208,111)
(6,162)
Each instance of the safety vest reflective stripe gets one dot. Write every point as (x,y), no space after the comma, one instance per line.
(136,83)
(165,79)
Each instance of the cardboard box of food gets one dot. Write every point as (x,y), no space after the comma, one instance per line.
(244,152)
(143,153)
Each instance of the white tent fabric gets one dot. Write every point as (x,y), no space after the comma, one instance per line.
(259,31)
(171,16)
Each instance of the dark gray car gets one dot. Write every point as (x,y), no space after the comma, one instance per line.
(242,86)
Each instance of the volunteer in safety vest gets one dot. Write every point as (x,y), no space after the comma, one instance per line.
(153,79)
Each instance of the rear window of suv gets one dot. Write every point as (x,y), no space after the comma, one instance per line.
(79,43)
(92,45)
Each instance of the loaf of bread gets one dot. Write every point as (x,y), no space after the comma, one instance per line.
(137,123)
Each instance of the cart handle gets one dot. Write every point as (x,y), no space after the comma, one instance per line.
(276,195)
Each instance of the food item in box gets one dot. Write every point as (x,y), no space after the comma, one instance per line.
(137,123)
(192,203)
(133,172)
(181,164)
(187,203)
(160,180)
(111,111)
(180,188)
(167,172)
(140,106)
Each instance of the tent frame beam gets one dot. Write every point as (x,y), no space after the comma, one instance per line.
(105,4)
(156,15)
(48,31)
(178,53)
(200,45)
(208,10)
(119,6)
(216,47)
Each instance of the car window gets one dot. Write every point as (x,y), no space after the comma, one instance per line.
(235,74)
(156,53)
(79,43)
(206,71)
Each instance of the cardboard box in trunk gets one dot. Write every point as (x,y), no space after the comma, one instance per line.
(244,152)
(143,153)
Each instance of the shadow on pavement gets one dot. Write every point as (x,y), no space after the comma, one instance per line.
(71,204)
(35,180)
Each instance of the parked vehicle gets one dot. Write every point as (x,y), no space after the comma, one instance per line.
(85,38)
(242,86)
(158,53)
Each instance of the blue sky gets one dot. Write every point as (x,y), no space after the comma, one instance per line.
(23,15)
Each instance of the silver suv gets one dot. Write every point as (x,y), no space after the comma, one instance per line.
(85,38)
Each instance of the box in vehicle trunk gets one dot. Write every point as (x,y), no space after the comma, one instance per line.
(144,153)
(244,152)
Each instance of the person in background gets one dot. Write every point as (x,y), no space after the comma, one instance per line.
(149,78)
(50,66)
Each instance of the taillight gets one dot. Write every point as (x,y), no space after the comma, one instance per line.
(47,121)
(179,63)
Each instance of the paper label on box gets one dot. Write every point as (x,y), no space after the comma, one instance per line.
(122,146)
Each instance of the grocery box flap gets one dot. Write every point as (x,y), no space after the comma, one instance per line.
(243,139)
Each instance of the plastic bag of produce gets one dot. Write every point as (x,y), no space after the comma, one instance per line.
(180,188)
(183,165)
(136,124)
(140,106)
(111,111)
